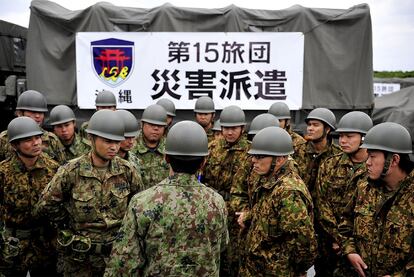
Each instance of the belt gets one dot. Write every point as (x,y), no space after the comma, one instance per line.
(101,248)
(24,233)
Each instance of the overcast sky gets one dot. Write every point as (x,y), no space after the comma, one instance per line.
(392,21)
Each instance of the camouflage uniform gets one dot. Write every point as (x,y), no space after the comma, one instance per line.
(308,161)
(78,147)
(296,139)
(281,239)
(51,146)
(135,161)
(222,164)
(378,225)
(82,130)
(88,205)
(20,191)
(210,135)
(192,219)
(335,185)
(153,166)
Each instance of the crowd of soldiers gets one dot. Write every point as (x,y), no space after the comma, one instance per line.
(203,197)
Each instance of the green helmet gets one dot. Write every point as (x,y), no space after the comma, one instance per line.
(390,137)
(354,122)
(130,122)
(61,114)
(155,114)
(272,141)
(262,121)
(323,114)
(204,104)
(105,98)
(107,124)
(232,116)
(32,100)
(22,127)
(217,126)
(168,105)
(280,110)
(187,138)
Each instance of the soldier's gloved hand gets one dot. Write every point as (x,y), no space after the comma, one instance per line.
(358,264)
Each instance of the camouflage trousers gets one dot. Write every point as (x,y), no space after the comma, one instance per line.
(93,266)
(230,258)
(27,255)
(327,260)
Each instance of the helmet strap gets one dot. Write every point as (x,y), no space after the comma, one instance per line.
(387,163)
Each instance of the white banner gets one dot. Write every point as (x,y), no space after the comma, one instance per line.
(251,70)
(381,89)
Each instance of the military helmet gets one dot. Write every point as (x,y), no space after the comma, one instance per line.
(107,124)
(272,141)
(204,104)
(262,121)
(32,100)
(232,116)
(105,98)
(155,114)
(186,138)
(22,127)
(390,137)
(61,114)
(354,122)
(130,122)
(168,105)
(217,126)
(280,110)
(323,114)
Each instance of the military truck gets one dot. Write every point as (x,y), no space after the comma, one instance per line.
(337,69)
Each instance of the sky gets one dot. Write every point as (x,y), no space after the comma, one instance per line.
(392,21)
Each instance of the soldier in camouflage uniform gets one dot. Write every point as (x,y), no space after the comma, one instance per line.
(28,239)
(105,100)
(150,146)
(227,157)
(191,217)
(169,107)
(88,197)
(33,104)
(320,123)
(377,228)
(217,130)
(335,185)
(281,239)
(204,114)
(282,112)
(131,132)
(63,121)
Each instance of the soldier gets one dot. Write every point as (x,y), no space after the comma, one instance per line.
(191,217)
(282,112)
(169,106)
(105,100)
(150,146)
(88,197)
(227,157)
(217,130)
(281,239)
(28,239)
(63,121)
(335,185)
(243,180)
(262,121)
(319,146)
(377,228)
(204,114)
(131,132)
(33,104)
